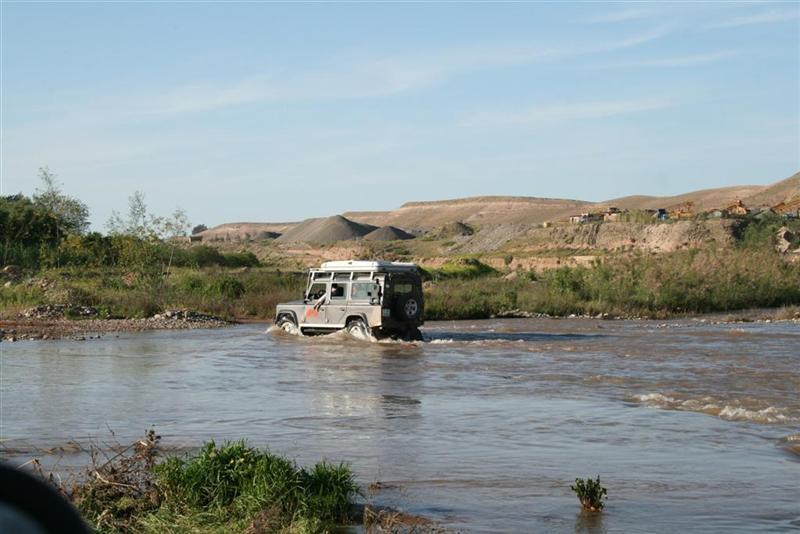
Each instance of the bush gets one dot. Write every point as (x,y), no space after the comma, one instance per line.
(590,493)
(235,477)
(227,288)
(228,488)
(463,268)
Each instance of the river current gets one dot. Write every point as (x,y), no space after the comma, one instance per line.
(482,427)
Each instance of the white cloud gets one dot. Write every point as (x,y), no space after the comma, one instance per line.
(681,61)
(569,112)
(345,78)
(764,17)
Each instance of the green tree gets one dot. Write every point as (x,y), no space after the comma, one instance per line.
(25,228)
(141,235)
(72,214)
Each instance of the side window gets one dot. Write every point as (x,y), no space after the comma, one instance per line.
(367,291)
(316,290)
(338,291)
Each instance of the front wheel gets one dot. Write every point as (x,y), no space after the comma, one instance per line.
(287,324)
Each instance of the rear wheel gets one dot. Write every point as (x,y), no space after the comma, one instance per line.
(358,329)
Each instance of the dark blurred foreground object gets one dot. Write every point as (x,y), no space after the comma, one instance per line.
(29,505)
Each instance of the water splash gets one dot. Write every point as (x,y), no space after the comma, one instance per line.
(730,410)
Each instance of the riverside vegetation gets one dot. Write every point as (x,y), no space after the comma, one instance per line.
(221,488)
(138,269)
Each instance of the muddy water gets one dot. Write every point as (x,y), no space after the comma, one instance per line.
(691,426)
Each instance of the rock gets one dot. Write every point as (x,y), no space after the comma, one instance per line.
(7,284)
(511,276)
(784,240)
(53,311)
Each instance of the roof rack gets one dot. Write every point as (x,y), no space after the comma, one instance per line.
(367,266)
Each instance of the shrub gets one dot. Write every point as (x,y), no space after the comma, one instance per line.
(237,477)
(228,488)
(463,268)
(590,493)
(227,288)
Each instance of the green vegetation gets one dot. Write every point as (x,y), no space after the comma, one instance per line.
(461,269)
(224,292)
(590,493)
(228,488)
(691,281)
(146,265)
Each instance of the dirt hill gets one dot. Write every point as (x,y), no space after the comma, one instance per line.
(245,231)
(771,195)
(326,230)
(475,210)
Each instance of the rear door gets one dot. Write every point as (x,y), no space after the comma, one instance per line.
(406,298)
(336,308)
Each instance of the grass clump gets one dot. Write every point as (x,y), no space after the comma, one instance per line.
(590,493)
(227,488)
(461,269)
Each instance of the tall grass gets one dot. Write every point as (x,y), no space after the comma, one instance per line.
(748,275)
(652,285)
(237,482)
(229,293)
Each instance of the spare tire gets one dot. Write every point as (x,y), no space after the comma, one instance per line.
(408,308)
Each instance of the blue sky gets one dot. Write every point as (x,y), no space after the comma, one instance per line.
(271,112)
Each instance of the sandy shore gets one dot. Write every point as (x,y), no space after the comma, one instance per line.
(19,329)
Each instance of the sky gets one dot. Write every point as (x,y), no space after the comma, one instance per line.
(282,111)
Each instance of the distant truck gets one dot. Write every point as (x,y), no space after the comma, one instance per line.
(378,298)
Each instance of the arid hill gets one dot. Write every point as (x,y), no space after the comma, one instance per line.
(782,191)
(493,211)
(475,210)
(529,210)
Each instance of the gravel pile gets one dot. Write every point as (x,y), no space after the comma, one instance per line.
(328,230)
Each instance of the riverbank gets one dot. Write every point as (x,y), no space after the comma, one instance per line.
(32,328)
(232,487)
(56,326)
(678,284)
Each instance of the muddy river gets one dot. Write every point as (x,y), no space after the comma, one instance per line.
(482,427)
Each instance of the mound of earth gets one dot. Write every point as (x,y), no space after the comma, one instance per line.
(327,230)
(388,233)
(246,231)
(453,229)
